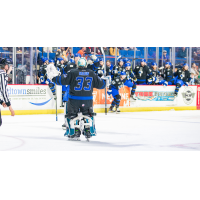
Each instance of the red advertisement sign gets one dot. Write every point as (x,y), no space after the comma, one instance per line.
(99,97)
(198,97)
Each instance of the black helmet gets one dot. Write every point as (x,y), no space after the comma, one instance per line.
(4,62)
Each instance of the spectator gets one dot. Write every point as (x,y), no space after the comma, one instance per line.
(45,49)
(19,49)
(106,51)
(69,53)
(182,53)
(165,58)
(193,80)
(112,51)
(89,50)
(98,50)
(126,48)
(194,70)
(82,51)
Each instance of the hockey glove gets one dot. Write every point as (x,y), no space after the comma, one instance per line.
(165,83)
(93,57)
(161,68)
(90,62)
(52,72)
(109,93)
(41,79)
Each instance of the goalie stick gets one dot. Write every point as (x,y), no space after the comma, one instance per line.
(104,57)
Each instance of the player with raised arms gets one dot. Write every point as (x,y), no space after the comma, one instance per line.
(81,81)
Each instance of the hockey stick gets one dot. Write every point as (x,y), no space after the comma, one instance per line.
(56,106)
(104,57)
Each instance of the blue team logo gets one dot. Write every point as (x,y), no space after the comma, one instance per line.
(40,104)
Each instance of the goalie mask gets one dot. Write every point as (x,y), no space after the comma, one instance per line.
(82,63)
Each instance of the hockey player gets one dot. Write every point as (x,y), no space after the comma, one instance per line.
(93,63)
(109,68)
(117,69)
(71,65)
(60,65)
(5,102)
(100,69)
(116,84)
(154,80)
(182,77)
(141,73)
(52,86)
(81,81)
(126,60)
(167,75)
(42,71)
(131,77)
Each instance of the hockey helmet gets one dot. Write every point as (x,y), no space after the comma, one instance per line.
(123,73)
(4,62)
(120,60)
(77,55)
(143,60)
(168,63)
(101,59)
(51,61)
(60,59)
(71,60)
(44,59)
(153,64)
(125,60)
(127,65)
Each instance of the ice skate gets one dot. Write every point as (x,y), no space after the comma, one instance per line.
(117,110)
(133,97)
(111,109)
(87,133)
(76,136)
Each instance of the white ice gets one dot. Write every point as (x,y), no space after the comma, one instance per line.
(138,131)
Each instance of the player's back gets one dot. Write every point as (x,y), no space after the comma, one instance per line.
(82,82)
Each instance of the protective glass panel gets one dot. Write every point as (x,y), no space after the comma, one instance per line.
(6,52)
(151,55)
(181,55)
(165,55)
(195,68)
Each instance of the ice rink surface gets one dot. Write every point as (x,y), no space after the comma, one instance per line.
(139,131)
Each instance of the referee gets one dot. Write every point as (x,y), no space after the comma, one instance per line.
(4,68)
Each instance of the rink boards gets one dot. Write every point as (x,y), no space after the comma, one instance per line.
(33,99)
(38,99)
(153,98)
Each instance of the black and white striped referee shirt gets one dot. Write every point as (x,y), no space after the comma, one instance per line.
(3,87)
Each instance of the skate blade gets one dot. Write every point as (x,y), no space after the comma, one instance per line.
(74,139)
(64,128)
(117,112)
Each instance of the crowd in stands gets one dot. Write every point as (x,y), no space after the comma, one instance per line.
(67,52)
